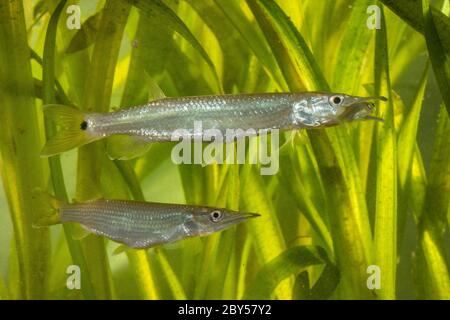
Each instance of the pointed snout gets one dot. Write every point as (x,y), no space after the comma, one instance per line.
(357,101)
(381,98)
(239,217)
(360,108)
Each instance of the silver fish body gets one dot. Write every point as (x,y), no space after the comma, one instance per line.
(227,117)
(145,224)
(158,120)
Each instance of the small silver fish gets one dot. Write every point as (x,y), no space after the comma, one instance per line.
(159,119)
(139,224)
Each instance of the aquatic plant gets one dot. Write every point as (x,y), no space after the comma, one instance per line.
(349,204)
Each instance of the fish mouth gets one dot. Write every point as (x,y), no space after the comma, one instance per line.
(238,217)
(365,101)
(360,108)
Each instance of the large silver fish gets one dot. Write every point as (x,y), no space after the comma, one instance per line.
(139,224)
(158,120)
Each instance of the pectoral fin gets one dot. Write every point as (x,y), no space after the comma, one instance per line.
(123,147)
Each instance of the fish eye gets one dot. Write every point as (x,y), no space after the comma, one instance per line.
(84,125)
(336,100)
(215,215)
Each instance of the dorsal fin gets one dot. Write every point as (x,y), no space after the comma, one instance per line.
(155,92)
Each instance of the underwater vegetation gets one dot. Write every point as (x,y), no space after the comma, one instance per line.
(355,211)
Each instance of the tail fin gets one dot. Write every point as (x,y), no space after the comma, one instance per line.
(50,209)
(71,129)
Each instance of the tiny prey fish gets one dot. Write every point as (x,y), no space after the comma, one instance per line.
(157,120)
(139,224)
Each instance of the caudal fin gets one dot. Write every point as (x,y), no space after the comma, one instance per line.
(48,207)
(71,129)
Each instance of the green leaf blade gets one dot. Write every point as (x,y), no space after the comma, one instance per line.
(286,264)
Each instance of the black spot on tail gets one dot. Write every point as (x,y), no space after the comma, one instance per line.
(84,125)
